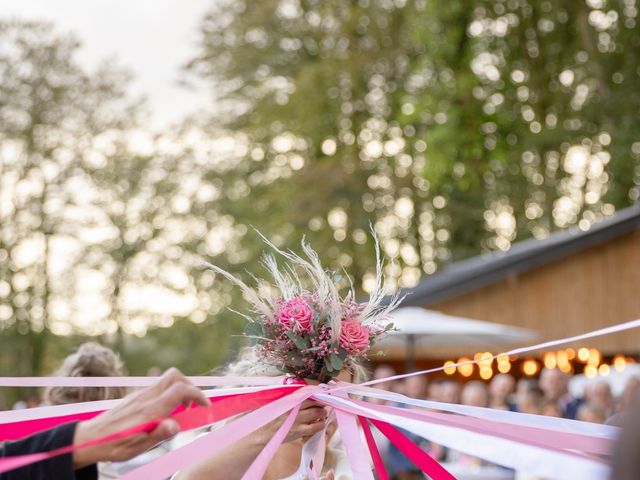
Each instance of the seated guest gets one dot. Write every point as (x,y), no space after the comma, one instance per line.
(589,412)
(475,394)
(450,391)
(380,372)
(90,360)
(435,390)
(601,397)
(530,400)
(151,403)
(500,390)
(555,385)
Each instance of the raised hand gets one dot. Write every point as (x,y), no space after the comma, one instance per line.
(151,403)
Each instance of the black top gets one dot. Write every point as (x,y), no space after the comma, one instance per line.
(58,468)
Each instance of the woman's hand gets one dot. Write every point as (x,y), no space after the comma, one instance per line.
(309,421)
(151,403)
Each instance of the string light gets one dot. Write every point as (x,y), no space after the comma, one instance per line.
(549,360)
(583,354)
(594,357)
(619,362)
(590,371)
(530,367)
(465,370)
(504,365)
(486,359)
(486,372)
(604,370)
(566,368)
(571,353)
(563,362)
(448,368)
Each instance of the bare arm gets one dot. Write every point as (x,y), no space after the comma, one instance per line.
(233,461)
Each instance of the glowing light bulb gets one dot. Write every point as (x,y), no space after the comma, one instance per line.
(465,370)
(583,354)
(604,370)
(486,373)
(448,368)
(549,360)
(530,367)
(590,371)
(619,362)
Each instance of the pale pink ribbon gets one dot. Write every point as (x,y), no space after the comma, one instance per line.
(8,416)
(201,381)
(199,449)
(350,436)
(260,464)
(217,440)
(519,454)
(517,351)
(606,433)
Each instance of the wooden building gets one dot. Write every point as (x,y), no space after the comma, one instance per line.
(568,283)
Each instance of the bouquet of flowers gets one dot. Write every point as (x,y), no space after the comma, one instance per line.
(309,330)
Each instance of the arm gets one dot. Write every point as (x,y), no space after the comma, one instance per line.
(60,467)
(151,403)
(232,462)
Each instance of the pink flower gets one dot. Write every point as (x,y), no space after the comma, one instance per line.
(296,314)
(354,337)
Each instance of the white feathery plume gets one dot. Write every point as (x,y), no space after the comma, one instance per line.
(249,293)
(374,310)
(289,284)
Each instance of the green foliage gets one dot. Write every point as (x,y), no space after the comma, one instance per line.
(449,126)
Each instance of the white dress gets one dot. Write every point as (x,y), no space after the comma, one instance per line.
(341,469)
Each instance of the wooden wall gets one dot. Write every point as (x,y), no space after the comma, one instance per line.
(591,289)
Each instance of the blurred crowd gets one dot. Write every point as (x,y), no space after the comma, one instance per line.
(547,395)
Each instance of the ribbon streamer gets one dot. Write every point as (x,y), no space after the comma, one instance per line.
(515,440)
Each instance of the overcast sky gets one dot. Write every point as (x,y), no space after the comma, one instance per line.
(153,38)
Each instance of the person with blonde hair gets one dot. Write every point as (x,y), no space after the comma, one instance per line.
(90,360)
(287,464)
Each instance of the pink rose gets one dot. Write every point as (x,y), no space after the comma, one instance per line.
(296,314)
(354,337)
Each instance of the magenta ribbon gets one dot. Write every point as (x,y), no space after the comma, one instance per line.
(419,457)
(378,464)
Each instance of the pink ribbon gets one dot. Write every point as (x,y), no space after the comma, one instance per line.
(202,381)
(378,464)
(261,462)
(186,419)
(20,429)
(217,440)
(418,456)
(350,437)
(545,438)
(542,433)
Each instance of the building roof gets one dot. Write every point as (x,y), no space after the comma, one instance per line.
(476,272)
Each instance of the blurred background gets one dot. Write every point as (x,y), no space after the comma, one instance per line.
(137,138)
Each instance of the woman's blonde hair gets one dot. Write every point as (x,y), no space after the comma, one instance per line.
(90,360)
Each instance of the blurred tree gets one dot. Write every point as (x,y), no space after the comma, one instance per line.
(50,109)
(455,128)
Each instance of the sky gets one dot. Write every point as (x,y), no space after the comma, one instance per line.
(152,38)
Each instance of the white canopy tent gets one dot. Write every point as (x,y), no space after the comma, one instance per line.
(415,326)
